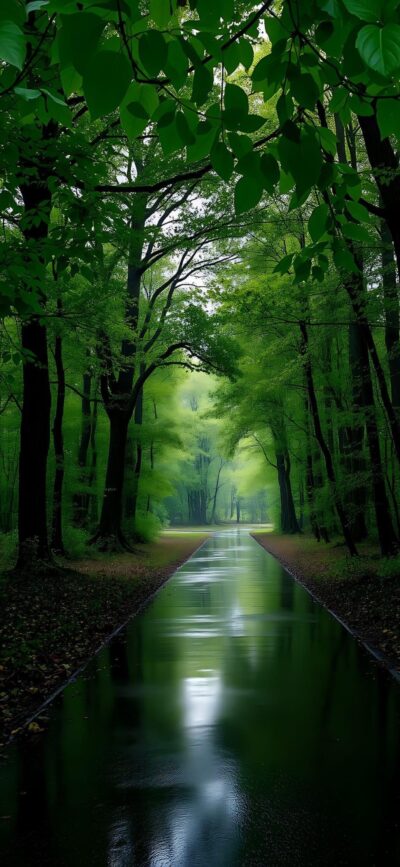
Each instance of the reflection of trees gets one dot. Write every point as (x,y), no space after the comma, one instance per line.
(230,705)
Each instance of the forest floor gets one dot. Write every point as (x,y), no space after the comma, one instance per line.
(50,627)
(364,591)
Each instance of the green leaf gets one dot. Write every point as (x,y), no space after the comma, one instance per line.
(232,58)
(202,84)
(105,82)
(344,260)
(284,265)
(358,212)
(12,44)
(160,11)
(35,5)
(246,53)
(305,90)
(318,222)
(27,93)
(12,11)
(355,232)
(153,51)
(78,39)
(270,170)
(176,65)
(248,192)
(183,129)
(328,140)
(240,144)
(379,47)
(367,10)
(236,100)
(388,117)
(222,160)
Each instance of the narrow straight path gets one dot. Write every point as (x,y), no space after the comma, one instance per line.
(234,722)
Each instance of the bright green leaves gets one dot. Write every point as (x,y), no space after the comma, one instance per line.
(318,222)
(367,10)
(105,82)
(12,44)
(388,116)
(379,47)
(222,160)
(152,52)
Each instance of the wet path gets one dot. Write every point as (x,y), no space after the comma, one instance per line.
(233,723)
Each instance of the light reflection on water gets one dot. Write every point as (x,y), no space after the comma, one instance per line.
(233,723)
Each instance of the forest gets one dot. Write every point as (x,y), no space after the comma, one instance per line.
(200,310)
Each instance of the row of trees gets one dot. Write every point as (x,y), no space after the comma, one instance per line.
(121,123)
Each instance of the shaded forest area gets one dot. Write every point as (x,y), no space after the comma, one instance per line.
(199,290)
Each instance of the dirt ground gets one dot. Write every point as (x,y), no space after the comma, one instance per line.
(364,592)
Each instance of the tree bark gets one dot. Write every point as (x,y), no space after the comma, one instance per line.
(109,535)
(391,302)
(80,501)
(344,522)
(57,544)
(35,420)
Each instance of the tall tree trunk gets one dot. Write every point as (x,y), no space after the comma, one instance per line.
(386,534)
(354,461)
(391,301)
(118,403)
(35,420)
(93,499)
(138,419)
(109,535)
(385,167)
(343,519)
(58,440)
(288,520)
(80,501)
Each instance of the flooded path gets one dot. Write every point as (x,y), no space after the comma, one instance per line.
(234,722)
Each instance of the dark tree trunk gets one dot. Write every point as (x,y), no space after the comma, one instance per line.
(80,502)
(109,535)
(289,523)
(344,522)
(138,418)
(387,537)
(238,505)
(58,440)
(93,500)
(34,447)
(35,420)
(353,449)
(391,301)
(33,547)
(385,166)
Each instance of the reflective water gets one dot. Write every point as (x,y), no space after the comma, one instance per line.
(233,723)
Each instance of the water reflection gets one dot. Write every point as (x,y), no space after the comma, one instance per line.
(233,723)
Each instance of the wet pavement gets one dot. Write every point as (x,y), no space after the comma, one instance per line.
(234,722)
